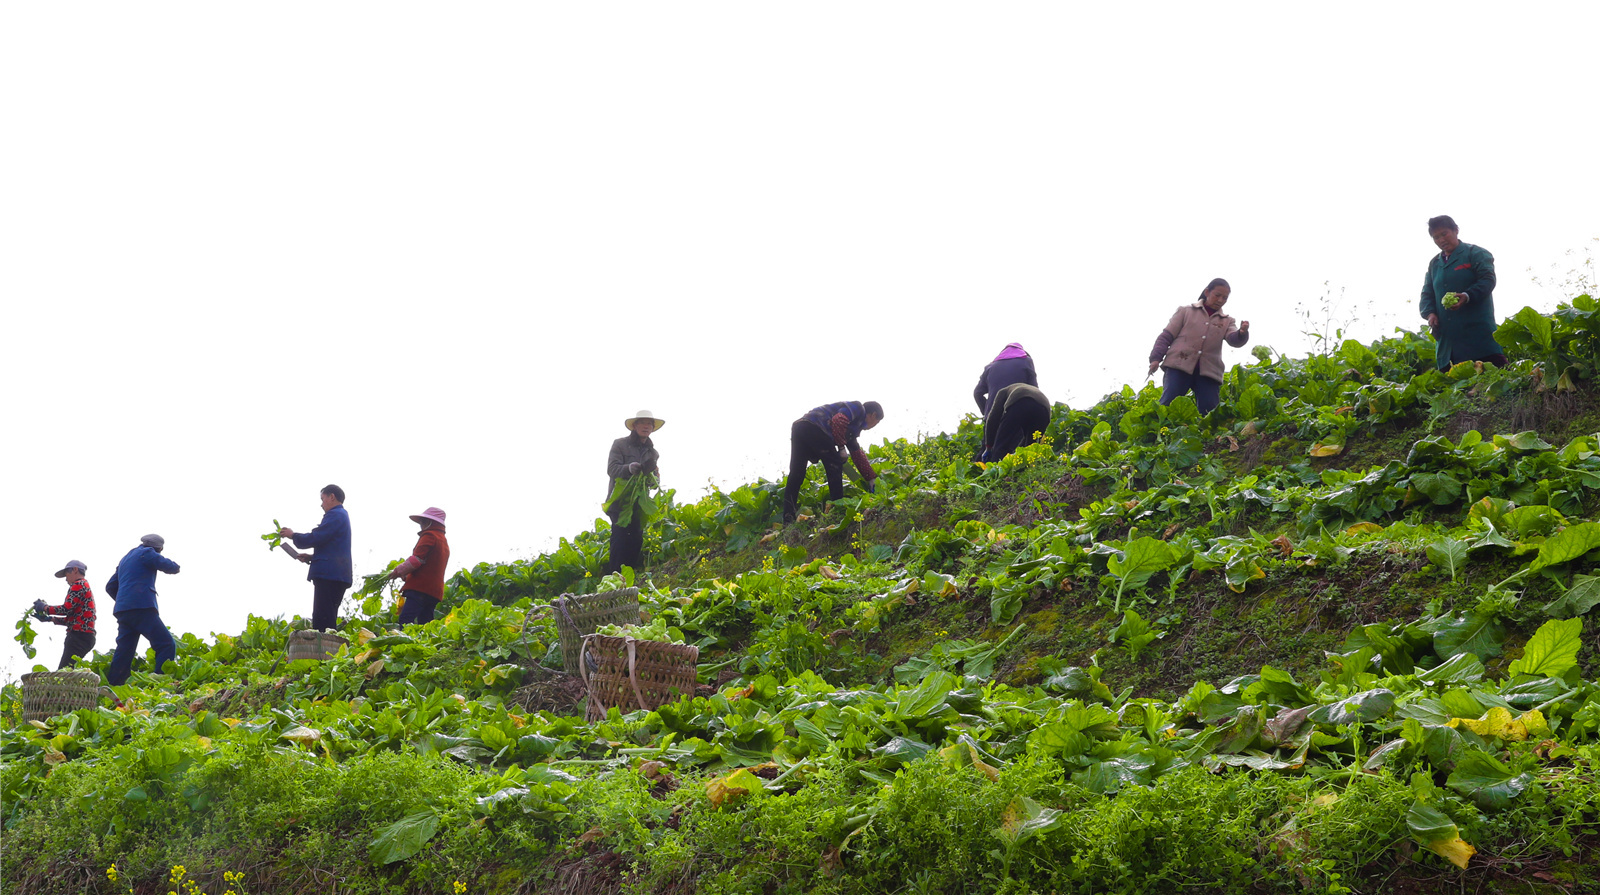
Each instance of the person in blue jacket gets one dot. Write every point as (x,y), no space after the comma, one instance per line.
(332,571)
(133,587)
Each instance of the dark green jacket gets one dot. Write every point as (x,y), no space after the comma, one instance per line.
(1466,333)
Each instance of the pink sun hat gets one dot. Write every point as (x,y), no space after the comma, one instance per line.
(431,514)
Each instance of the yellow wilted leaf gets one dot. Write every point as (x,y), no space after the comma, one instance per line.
(767,538)
(231,722)
(363,636)
(831,573)
(1498,723)
(305,736)
(517,721)
(1249,429)
(460,700)
(963,753)
(735,786)
(1325,450)
(1456,851)
(205,742)
(1324,800)
(803,518)
(367,655)
(375,669)
(53,758)
(40,724)
(1363,528)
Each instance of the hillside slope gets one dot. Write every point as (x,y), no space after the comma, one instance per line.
(1332,637)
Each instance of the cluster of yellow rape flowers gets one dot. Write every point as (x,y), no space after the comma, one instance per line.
(178,881)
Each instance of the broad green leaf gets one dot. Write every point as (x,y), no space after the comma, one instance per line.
(1567,545)
(1578,600)
(1110,776)
(1061,738)
(1523,442)
(1458,669)
(403,838)
(1437,833)
(1141,559)
(1283,688)
(1449,555)
(1477,633)
(919,701)
(1440,487)
(1366,706)
(1489,783)
(1552,649)
(902,751)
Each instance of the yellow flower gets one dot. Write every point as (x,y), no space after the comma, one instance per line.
(111,873)
(461,887)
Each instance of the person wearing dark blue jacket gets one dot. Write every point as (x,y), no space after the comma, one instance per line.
(133,587)
(828,435)
(332,571)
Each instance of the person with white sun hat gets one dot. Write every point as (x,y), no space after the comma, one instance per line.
(632,454)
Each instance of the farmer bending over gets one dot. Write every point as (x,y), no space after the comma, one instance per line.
(827,435)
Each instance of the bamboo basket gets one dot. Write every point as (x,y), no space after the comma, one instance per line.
(634,674)
(579,616)
(49,693)
(316,645)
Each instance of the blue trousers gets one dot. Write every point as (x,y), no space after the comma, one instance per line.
(131,625)
(1207,392)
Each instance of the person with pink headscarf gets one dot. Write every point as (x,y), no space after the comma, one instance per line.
(1011,366)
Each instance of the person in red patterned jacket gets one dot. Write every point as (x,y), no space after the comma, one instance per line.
(76,614)
(424,569)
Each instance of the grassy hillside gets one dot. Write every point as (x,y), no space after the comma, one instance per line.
(1335,636)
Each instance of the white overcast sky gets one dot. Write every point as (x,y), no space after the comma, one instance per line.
(435,253)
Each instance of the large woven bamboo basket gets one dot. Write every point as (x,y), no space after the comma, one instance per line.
(579,616)
(634,674)
(317,645)
(49,693)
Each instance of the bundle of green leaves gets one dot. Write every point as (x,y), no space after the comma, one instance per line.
(631,498)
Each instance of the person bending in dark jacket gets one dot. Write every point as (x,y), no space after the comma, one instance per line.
(1018,413)
(632,454)
(76,614)
(332,570)
(1010,366)
(828,435)
(133,587)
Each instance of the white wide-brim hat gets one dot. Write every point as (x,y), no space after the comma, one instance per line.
(643,415)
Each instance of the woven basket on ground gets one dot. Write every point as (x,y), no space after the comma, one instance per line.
(49,693)
(317,645)
(578,616)
(634,674)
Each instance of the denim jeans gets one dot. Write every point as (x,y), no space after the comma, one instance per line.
(131,625)
(1207,392)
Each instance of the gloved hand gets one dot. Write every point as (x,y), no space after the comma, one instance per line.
(40,606)
(872,486)
(633,468)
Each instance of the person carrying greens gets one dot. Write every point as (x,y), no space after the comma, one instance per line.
(827,435)
(133,587)
(632,455)
(1458,298)
(331,571)
(423,570)
(76,614)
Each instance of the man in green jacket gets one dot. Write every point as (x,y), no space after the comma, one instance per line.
(1466,331)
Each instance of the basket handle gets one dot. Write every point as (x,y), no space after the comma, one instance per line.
(633,676)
